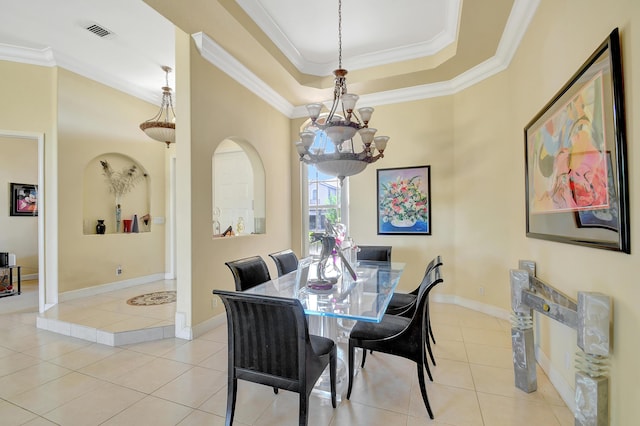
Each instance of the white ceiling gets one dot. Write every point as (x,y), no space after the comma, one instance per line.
(52,32)
(393,38)
(374,32)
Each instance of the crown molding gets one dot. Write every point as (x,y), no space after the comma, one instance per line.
(217,56)
(417,50)
(27,55)
(519,19)
(48,58)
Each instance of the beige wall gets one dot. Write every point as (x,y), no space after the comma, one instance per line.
(94,120)
(489,187)
(220,109)
(472,140)
(421,134)
(18,235)
(474,143)
(28,106)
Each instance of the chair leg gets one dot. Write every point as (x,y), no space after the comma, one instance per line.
(275,390)
(423,390)
(351,353)
(232,388)
(428,343)
(431,332)
(364,357)
(303,417)
(426,366)
(428,321)
(332,374)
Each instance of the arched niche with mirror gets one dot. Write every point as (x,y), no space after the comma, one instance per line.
(111,179)
(238,188)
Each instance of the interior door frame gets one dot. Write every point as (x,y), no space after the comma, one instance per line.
(47,236)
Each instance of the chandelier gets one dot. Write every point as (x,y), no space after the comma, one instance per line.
(340,126)
(162,126)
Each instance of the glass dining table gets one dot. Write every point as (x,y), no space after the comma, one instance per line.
(332,312)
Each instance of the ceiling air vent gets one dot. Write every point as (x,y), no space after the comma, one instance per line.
(99,30)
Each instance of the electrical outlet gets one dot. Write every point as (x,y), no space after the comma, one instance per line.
(119,270)
(481,291)
(214,303)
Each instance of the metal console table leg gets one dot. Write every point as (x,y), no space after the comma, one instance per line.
(590,316)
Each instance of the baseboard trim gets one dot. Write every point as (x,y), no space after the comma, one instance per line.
(104,288)
(567,393)
(190,333)
(208,325)
(182,330)
(472,304)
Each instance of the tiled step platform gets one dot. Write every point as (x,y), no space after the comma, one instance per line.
(108,319)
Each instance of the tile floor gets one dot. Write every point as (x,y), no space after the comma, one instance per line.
(106,318)
(48,378)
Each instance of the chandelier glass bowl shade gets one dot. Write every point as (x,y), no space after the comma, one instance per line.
(162,126)
(338,128)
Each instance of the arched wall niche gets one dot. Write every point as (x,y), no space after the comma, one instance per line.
(238,183)
(111,179)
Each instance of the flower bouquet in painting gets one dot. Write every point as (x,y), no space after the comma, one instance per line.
(403,201)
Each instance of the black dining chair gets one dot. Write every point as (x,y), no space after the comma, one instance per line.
(269,343)
(377,253)
(404,303)
(249,272)
(286,261)
(397,335)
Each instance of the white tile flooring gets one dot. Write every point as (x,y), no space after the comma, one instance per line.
(47,378)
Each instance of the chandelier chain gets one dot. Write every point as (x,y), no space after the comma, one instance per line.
(339,33)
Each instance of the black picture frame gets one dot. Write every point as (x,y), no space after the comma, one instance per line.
(576,181)
(404,201)
(24,199)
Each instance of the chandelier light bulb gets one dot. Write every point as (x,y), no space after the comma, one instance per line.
(366,134)
(307,138)
(381,143)
(365,114)
(314,111)
(349,102)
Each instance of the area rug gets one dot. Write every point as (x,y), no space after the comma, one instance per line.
(155,298)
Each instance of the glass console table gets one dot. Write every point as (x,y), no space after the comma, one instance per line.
(6,281)
(332,313)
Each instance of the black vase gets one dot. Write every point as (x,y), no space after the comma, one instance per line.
(101,227)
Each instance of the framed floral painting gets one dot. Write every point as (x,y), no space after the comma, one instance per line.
(404,201)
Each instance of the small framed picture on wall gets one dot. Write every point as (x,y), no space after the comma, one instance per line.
(24,200)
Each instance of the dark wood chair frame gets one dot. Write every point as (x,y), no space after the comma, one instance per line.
(376,253)
(270,344)
(248,272)
(406,308)
(286,261)
(400,336)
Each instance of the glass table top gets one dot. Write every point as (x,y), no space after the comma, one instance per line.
(364,299)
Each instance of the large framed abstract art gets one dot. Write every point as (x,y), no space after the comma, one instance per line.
(575,158)
(404,201)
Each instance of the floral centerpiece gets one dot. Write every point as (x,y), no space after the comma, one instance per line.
(403,203)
